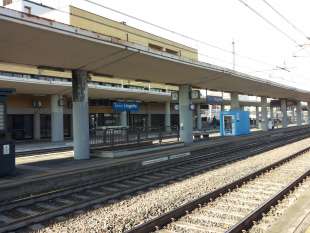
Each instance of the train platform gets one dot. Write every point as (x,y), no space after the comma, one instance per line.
(24,148)
(42,147)
(296,218)
(60,170)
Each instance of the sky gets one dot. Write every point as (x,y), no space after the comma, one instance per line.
(261,50)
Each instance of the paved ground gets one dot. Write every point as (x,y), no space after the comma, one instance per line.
(296,218)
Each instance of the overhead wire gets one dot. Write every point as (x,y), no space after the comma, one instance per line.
(177,33)
(286,19)
(288,22)
(277,67)
(199,53)
(169,30)
(270,23)
(277,28)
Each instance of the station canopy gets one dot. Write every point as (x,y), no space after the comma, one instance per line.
(30,40)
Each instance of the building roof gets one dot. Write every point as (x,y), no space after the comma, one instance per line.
(37,41)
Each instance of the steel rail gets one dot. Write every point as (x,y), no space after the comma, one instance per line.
(218,157)
(257,214)
(177,213)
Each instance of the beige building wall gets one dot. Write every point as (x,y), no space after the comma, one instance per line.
(121,31)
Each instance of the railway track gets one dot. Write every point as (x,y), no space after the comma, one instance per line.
(235,207)
(21,213)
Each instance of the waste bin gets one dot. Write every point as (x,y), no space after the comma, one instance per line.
(7,158)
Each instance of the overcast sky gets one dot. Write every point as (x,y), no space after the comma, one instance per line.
(218,22)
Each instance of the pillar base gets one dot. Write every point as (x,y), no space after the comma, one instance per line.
(80,131)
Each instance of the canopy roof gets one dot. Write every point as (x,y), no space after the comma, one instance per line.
(31,40)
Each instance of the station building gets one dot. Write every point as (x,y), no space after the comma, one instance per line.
(42,105)
(42,92)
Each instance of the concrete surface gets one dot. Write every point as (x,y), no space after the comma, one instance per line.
(60,170)
(296,218)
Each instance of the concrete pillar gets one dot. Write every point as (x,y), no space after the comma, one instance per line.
(185,114)
(234,101)
(299,113)
(80,114)
(284,113)
(167,116)
(123,119)
(57,118)
(257,116)
(199,122)
(36,126)
(264,125)
(308,104)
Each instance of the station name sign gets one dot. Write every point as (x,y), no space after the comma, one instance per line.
(214,99)
(275,103)
(125,106)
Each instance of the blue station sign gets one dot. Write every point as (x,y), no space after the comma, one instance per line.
(125,106)
(214,99)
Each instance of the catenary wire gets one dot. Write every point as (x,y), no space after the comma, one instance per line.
(177,33)
(270,23)
(285,19)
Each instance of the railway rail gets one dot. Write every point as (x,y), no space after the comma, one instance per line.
(21,213)
(235,207)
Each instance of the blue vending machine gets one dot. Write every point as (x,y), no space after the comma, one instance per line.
(234,123)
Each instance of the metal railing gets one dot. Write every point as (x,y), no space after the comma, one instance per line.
(119,136)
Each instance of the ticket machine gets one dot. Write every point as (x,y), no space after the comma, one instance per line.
(235,122)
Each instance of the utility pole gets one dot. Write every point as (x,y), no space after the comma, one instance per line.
(234,55)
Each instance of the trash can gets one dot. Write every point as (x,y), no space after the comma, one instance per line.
(7,158)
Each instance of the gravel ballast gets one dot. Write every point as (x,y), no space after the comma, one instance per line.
(124,214)
(275,215)
(227,210)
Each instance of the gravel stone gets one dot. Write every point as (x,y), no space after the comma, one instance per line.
(125,214)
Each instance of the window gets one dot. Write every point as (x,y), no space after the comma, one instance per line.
(156,47)
(7,2)
(27,10)
(172,52)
